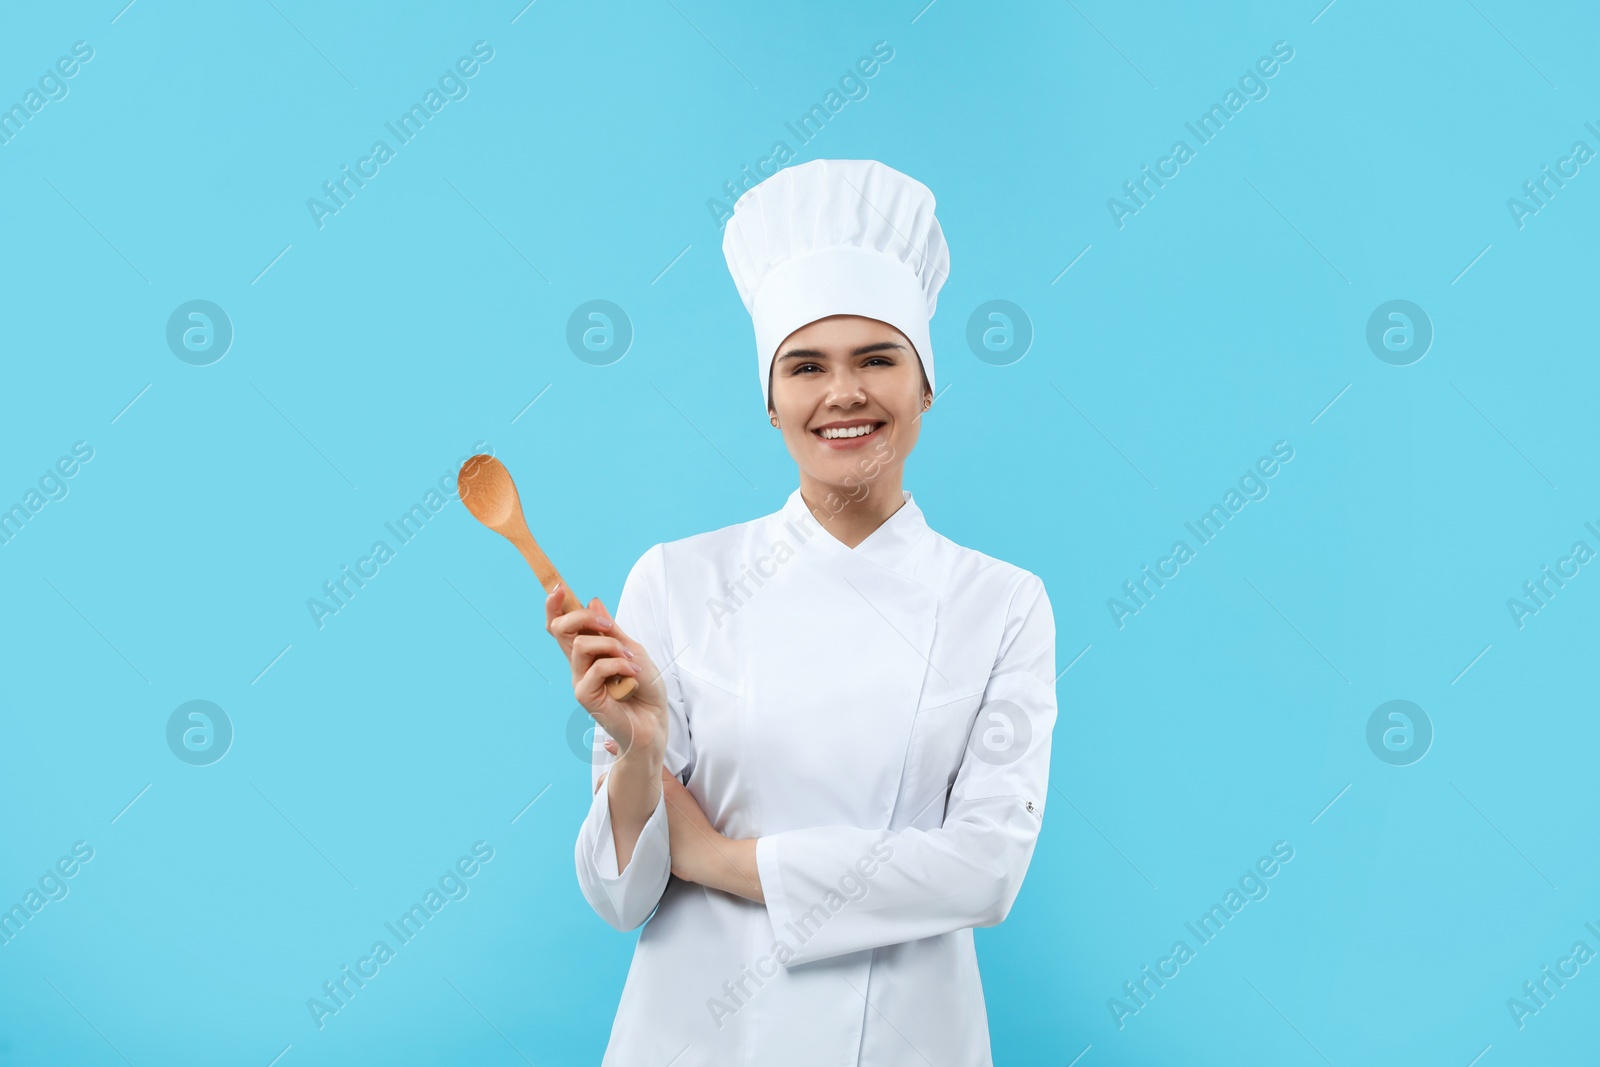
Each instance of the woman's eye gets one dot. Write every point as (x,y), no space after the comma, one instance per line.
(802,368)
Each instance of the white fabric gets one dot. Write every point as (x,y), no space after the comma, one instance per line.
(824,703)
(836,237)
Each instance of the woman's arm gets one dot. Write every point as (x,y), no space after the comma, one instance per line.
(633,795)
(841,889)
(847,888)
(729,865)
(622,850)
(699,853)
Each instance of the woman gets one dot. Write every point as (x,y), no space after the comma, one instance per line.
(835,763)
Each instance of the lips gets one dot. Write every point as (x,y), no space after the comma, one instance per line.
(844,443)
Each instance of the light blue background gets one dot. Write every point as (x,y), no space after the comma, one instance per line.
(371,355)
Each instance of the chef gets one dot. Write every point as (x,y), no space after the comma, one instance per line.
(835,764)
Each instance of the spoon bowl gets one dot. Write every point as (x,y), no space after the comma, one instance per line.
(489,493)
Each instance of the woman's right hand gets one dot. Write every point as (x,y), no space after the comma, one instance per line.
(639,723)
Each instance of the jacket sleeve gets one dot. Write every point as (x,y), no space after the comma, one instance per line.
(626,899)
(837,889)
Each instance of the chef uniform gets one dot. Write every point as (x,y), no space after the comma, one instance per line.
(877,717)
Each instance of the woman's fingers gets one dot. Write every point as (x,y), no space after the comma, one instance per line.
(587,649)
(590,686)
(588,646)
(594,672)
(650,678)
(611,747)
(588,633)
(553,604)
(565,625)
(583,649)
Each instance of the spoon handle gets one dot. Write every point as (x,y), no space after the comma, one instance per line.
(621,686)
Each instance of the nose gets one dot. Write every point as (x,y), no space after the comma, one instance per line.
(845,390)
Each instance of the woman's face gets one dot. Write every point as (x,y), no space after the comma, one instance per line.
(848,373)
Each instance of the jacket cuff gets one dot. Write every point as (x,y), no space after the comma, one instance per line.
(777,901)
(638,887)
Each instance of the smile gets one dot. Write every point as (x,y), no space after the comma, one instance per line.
(849,436)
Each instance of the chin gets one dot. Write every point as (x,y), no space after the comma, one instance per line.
(851,474)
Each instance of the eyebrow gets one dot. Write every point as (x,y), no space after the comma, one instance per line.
(812,353)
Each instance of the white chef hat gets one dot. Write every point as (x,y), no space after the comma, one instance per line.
(836,237)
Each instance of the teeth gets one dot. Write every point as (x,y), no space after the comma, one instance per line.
(853,431)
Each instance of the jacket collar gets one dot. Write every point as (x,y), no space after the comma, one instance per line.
(891,545)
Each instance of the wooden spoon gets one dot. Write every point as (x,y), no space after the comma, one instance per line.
(488,492)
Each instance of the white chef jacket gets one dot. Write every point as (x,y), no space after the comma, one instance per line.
(825,700)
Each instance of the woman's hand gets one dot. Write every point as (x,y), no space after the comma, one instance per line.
(639,723)
(700,853)
(695,842)
(690,833)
